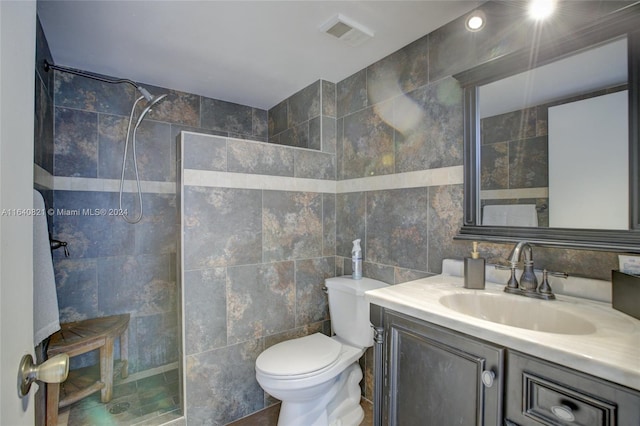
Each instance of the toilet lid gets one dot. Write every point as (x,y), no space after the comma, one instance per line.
(299,356)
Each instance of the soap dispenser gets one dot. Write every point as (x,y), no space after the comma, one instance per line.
(474,270)
(356,259)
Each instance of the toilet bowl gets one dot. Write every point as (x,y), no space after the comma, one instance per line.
(307,388)
(317,377)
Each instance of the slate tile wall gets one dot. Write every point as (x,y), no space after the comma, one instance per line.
(306,119)
(255,261)
(116,267)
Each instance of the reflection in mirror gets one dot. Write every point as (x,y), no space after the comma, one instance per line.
(555,143)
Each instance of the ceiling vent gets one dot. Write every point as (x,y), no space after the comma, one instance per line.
(347,30)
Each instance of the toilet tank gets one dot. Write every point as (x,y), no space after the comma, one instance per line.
(348,310)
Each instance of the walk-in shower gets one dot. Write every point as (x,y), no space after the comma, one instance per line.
(151,102)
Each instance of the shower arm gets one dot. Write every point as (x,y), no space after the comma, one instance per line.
(48,66)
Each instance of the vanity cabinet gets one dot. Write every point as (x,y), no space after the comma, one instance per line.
(435,376)
(428,375)
(542,393)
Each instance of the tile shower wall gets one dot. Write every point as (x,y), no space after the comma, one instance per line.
(115,267)
(307,119)
(404,114)
(43,114)
(256,251)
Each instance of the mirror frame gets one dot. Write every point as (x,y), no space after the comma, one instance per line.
(623,22)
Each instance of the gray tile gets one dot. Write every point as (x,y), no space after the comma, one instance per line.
(204,153)
(304,105)
(261,300)
(329,130)
(221,384)
(311,302)
(205,310)
(401,72)
(315,165)
(140,285)
(350,222)
(157,339)
(292,225)
(260,123)
(278,118)
(351,94)
(328,98)
(177,107)
(83,93)
(445,219)
(529,163)
(43,128)
(397,231)
(368,144)
(79,221)
(77,288)
(328,224)
(75,143)
(433,137)
(157,232)
(226,116)
(260,158)
(222,227)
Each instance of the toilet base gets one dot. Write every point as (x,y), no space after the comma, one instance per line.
(340,405)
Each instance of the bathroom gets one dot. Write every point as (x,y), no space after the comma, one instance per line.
(409,229)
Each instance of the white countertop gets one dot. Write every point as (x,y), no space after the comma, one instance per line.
(612,352)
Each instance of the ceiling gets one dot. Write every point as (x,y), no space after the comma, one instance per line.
(255,53)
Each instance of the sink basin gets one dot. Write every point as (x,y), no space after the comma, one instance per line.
(517,311)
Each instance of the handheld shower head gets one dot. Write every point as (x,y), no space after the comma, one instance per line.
(152,102)
(145,93)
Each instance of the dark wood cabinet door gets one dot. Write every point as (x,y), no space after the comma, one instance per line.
(435,376)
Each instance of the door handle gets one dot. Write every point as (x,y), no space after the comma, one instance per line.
(53,370)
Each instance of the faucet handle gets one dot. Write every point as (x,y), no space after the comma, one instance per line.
(557,274)
(545,289)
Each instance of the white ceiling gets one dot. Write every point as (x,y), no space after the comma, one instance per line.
(254,53)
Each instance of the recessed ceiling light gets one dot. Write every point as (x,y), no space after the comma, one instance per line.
(475,21)
(541,9)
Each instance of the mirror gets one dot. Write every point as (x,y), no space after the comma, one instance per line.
(554,143)
(542,163)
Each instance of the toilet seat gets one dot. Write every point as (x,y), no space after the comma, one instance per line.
(299,357)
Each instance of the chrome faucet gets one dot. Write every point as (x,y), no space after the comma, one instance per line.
(528,280)
(528,285)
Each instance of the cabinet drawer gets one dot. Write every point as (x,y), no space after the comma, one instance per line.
(541,393)
(552,403)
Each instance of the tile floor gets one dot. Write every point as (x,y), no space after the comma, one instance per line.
(150,401)
(269,416)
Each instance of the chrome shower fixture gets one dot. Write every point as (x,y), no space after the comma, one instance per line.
(148,96)
(131,135)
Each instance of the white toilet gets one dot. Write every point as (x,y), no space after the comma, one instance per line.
(317,377)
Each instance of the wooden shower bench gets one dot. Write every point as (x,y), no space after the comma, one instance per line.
(77,338)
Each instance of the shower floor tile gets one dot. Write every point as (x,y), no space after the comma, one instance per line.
(133,402)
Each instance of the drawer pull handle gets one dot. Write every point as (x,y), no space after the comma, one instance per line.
(487,378)
(563,412)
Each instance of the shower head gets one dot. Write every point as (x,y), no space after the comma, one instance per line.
(145,93)
(154,100)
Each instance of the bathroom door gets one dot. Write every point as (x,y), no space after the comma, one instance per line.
(17,65)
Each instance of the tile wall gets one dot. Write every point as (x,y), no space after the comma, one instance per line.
(258,248)
(306,119)
(258,243)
